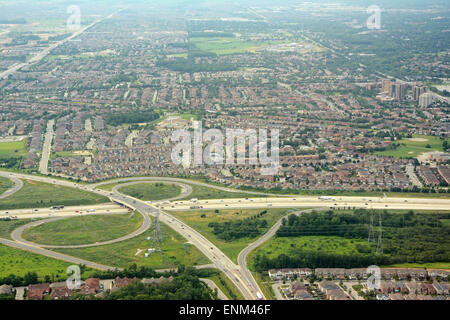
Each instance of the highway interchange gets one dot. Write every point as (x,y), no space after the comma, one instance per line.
(238,274)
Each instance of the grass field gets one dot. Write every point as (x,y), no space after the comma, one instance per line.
(19,262)
(232,248)
(84,230)
(230,45)
(151,191)
(6,227)
(205,193)
(325,244)
(40,195)
(199,192)
(13,149)
(175,248)
(411,148)
(5,184)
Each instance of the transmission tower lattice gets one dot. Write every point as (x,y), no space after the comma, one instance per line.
(380,236)
(157,235)
(371,237)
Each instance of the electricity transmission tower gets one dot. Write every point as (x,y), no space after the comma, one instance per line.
(157,235)
(380,235)
(371,237)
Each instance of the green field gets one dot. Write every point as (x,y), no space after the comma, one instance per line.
(40,195)
(231,248)
(205,193)
(326,244)
(431,265)
(198,192)
(123,254)
(13,149)
(151,191)
(19,262)
(5,184)
(230,45)
(8,226)
(411,149)
(84,230)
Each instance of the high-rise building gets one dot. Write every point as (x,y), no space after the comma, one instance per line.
(426,99)
(417,91)
(400,89)
(385,86)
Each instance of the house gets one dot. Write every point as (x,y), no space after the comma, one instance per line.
(60,293)
(91,286)
(6,289)
(38,291)
(157,281)
(123,282)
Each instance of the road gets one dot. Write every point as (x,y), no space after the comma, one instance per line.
(313,202)
(412,176)
(39,56)
(220,260)
(73,211)
(47,147)
(18,184)
(242,258)
(16,235)
(238,274)
(186,190)
(192,182)
(55,255)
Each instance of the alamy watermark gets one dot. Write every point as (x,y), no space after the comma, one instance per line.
(190,149)
(73,282)
(374,21)
(374,278)
(74,20)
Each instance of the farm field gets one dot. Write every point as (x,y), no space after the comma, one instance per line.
(151,191)
(175,248)
(84,230)
(199,220)
(417,145)
(13,149)
(40,195)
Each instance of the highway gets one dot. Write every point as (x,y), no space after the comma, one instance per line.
(40,55)
(73,211)
(312,202)
(242,258)
(238,274)
(220,260)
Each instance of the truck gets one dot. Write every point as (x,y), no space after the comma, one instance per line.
(326,198)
